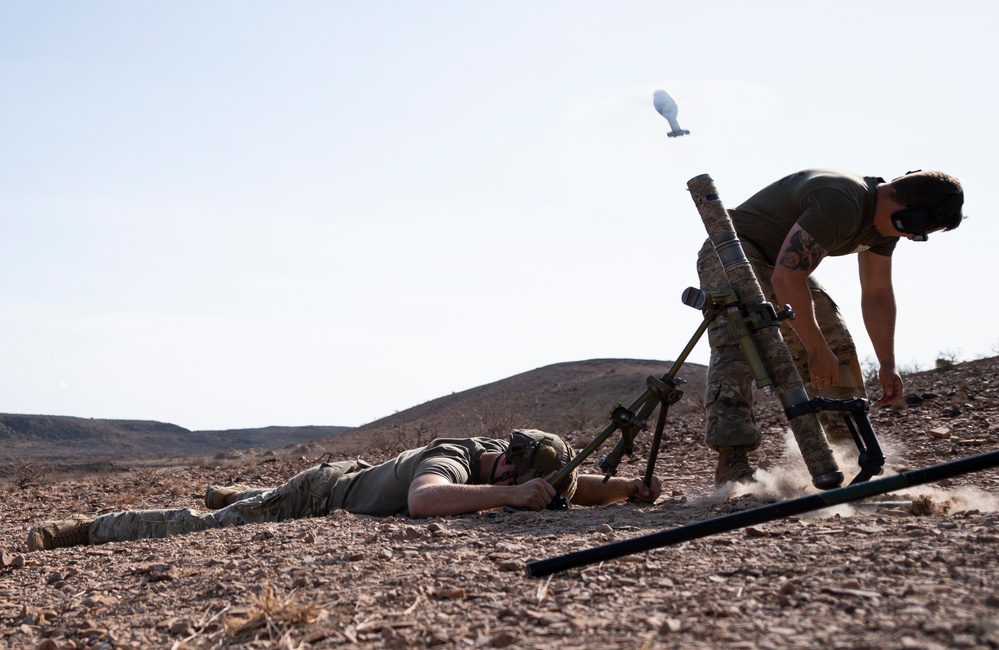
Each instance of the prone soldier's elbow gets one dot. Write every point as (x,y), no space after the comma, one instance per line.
(417,509)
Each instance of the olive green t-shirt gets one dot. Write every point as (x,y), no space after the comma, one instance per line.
(383,490)
(836,208)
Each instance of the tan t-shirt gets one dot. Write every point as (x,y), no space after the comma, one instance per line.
(836,208)
(383,490)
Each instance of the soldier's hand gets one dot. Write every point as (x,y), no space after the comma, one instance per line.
(891,385)
(823,368)
(642,493)
(536,494)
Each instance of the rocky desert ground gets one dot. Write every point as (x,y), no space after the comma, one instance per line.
(913,569)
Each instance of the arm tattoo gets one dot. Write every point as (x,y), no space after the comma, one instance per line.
(803,253)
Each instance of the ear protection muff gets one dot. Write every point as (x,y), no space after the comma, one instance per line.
(919,221)
(914,221)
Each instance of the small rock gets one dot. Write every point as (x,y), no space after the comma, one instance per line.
(340,514)
(941,433)
(181,628)
(96,601)
(407,533)
(670,625)
(11,561)
(91,632)
(503,639)
(450,593)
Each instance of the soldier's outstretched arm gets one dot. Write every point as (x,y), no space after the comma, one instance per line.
(592,491)
(877,303)
(432,495)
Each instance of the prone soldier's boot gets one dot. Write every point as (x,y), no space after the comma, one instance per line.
(219,497)
(733,466)
(60,534)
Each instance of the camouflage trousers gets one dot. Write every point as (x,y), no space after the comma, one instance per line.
(728,399)
(311,493)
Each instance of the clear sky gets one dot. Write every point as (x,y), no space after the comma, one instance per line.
(242,214)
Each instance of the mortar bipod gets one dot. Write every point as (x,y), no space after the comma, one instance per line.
(660,392)
(663,391)
(855,413)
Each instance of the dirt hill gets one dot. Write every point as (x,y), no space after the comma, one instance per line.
(564,398)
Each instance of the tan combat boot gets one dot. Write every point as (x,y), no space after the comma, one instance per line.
(733,466)
(219,497)
(60,534)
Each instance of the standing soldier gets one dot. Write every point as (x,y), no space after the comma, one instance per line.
(786,230)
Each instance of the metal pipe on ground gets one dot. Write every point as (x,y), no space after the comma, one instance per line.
(764,514)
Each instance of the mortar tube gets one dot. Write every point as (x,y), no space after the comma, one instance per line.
(776,358)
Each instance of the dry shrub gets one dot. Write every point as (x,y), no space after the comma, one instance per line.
(122,500)
(24,474)
(272,616)
(145,479)
(495,422)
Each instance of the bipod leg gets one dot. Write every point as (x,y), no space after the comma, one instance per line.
(657,441)
(674,395)
(668,399)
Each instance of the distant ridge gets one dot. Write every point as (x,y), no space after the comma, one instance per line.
(56,437)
